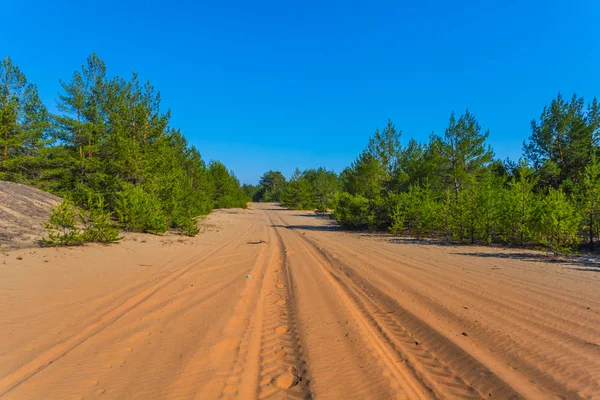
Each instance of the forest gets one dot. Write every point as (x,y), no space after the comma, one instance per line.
(454,188)
(109,150)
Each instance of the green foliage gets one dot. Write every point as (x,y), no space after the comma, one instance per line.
(253,192)
(385,147)
(226,190)
(452,187)
(61,227)
(462,153)
(564,140)
(298,194)
(321,209)
(97,223)
(416,212)
(366,177)
(272,185)
(311,189)
(588,196)
(24,123)
(518,203)
(140,211)
(354,211)
(557,222)
(189,226)
(109,140)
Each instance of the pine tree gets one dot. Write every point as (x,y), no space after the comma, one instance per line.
(62,227)
(298,193)
(226,190)
(272,184)
(462,152)
(517,206)
(23,125)
(366,177)
(557,222)
(385,147)
(97,224)
(81,127)
(560,143)
(588,194)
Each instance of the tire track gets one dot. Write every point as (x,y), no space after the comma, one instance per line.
(421,360)
(42,361)
(544,367)
(341,363)
(268,361)
(516,283)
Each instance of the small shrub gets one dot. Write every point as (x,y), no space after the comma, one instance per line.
(189,227)
(140,211)
(97,224)
(398,213)
(558,223)
(321,208)
(353,211)
(61,228)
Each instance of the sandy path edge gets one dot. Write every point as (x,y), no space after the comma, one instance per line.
(269,303)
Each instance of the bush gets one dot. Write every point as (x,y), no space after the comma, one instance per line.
(321,208)
(398,212)
(232,201)
(140,211)
(98,226)
(354,211)
(558,223)
(188,226)
(62,227)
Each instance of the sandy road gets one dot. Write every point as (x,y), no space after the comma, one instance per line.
(268,303)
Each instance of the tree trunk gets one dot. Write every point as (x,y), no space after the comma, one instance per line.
(591,231)
(146,131)
(79,133)
(5,151)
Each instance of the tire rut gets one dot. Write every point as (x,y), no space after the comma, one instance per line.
(420,359)
(17,377)
(268,363)
(545,367)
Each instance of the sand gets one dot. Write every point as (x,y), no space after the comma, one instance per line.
(23,211)
(269,303)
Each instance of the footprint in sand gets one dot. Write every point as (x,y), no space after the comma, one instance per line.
(280,330)
(279,351)
(288,379)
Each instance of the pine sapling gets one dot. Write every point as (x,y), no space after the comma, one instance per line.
(61,227)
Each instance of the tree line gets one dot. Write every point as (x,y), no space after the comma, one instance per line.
(454,187)
(314,189)
(109,148)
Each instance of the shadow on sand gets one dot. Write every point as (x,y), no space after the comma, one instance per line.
(321,228)
(587,263)
(414,240)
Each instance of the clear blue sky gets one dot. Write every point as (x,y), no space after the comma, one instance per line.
(281,84)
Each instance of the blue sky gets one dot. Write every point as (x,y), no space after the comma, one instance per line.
(279,85)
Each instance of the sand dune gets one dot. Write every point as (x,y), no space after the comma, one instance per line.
(23,211)
(268,303)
